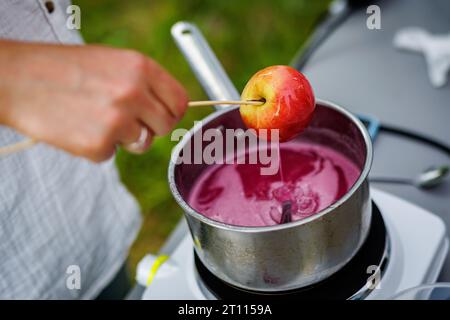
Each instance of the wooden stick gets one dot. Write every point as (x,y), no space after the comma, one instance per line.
(25,144)
(16,147)
(224,102)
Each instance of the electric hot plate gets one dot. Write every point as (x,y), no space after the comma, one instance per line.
(351,282)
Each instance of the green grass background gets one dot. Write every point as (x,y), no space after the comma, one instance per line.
(247,35)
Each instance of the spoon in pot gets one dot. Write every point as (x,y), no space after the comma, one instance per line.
(428,179)
(286,214)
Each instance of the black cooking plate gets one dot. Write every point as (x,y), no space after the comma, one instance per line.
(340,286)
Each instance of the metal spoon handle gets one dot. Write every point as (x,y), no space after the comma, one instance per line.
(391,180)
(203,62)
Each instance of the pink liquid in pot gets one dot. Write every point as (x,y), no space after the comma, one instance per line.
(311,177)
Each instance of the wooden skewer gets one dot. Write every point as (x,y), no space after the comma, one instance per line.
(16,147)
(27,143)
(224,102)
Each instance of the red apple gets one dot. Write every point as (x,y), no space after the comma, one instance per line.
(288,102)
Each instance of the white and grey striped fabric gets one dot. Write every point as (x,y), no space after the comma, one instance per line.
(57,210)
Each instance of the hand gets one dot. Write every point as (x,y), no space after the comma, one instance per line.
(86,99)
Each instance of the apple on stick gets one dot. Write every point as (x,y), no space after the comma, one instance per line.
(288,102)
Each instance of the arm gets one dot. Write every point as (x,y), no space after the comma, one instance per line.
(85,99)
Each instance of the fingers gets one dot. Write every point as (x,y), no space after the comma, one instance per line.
(141,143)
(135,137)
(157,99)
(168,90)
(163,102)
(129,132)
(147,102)
(156,115)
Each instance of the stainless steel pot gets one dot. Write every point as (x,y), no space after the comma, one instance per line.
(281,257)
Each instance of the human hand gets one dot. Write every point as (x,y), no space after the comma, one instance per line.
(86,99)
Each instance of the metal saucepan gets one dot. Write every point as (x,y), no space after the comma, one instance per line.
(281,257)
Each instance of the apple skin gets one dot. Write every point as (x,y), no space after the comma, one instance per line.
(289,102)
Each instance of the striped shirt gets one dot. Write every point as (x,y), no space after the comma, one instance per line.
(56,210)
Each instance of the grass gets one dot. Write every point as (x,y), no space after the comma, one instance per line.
(246,36)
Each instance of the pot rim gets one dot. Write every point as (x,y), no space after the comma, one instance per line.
(258,229)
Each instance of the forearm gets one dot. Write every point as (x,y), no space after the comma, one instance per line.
(9,72)
(86,99)
(24,68)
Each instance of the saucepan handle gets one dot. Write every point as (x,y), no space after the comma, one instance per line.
(203,62)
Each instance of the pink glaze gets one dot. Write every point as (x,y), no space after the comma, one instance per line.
(312,177)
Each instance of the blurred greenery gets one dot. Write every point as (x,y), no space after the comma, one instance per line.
(246,35)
